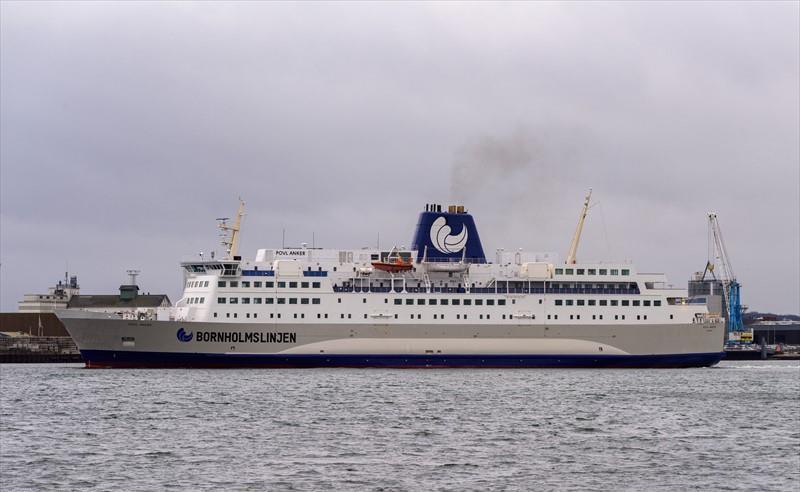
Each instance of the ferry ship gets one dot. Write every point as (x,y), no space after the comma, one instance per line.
(440,303)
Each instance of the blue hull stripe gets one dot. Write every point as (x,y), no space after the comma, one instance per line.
(107,358)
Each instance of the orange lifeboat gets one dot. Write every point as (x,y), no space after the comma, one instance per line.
(398,265)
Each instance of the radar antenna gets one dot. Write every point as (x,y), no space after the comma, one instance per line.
(132,274)
(573,247)
(230,233)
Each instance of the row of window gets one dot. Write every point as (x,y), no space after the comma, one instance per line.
(446,302)
(617,317)
(639,317)
(267,300)
(196,300)
(592,271)
(268,285)
(605,302)
(196,283)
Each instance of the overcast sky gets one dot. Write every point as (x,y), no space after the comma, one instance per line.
(127,128)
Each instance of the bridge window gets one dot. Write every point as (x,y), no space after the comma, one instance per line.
(221,283)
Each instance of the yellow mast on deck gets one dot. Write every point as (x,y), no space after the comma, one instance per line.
(573,247)
(230,234)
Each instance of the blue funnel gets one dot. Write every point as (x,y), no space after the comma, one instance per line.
(447,236)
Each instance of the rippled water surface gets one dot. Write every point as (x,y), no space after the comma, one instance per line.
(732,427)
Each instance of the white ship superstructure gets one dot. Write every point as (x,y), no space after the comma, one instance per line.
(440,303)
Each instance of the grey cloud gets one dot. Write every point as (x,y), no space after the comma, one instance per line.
(125,128)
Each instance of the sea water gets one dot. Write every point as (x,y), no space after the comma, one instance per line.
(735,426)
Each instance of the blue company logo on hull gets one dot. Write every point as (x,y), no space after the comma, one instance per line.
(183,336)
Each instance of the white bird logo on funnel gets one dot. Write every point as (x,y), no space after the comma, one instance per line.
(443,241)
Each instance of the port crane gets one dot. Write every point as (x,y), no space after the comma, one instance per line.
(718,255)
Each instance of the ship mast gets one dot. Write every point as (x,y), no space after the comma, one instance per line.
(230,233)
(573,247)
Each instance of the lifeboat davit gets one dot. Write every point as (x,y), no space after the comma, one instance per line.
(395,266)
